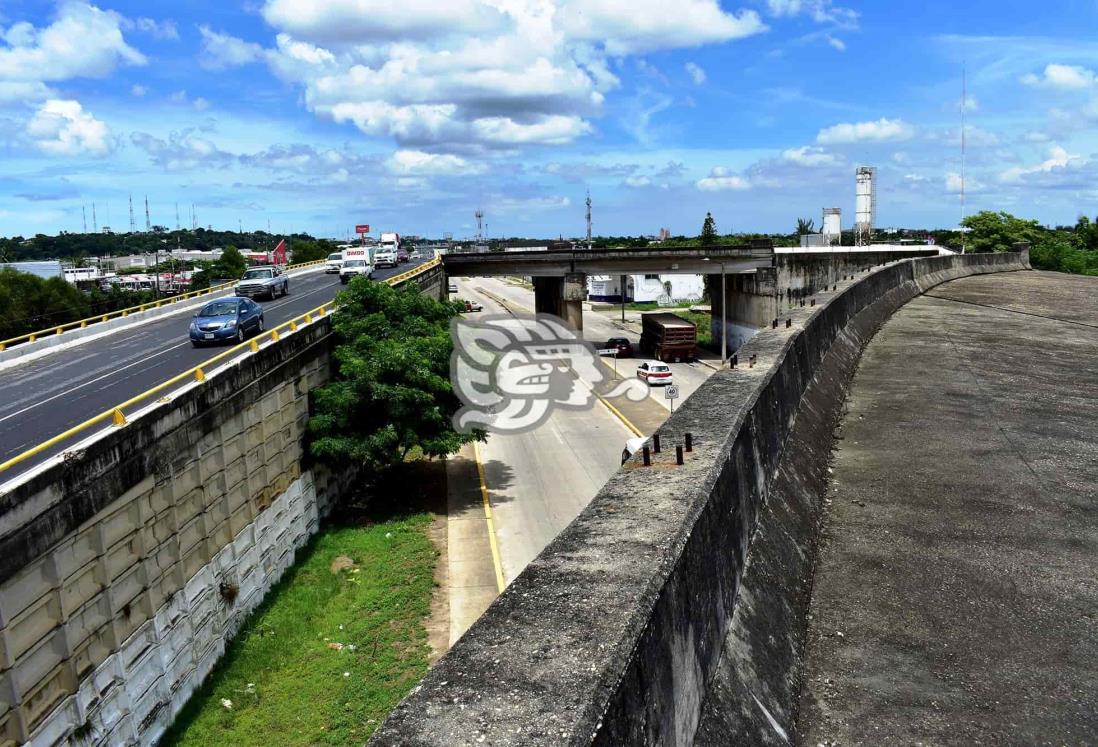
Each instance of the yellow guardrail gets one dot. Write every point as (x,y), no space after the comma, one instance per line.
(116,415)
(82,323)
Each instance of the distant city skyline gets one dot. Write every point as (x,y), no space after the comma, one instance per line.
(317,116)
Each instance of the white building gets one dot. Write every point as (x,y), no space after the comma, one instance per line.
(647,288)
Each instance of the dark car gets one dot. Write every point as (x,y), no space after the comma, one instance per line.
(622,345)
(402,255)
(226,320)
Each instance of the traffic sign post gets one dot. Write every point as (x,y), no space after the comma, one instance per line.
(613,353)
(671,392)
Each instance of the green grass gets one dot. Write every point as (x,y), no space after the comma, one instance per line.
(286,684)
(701,320)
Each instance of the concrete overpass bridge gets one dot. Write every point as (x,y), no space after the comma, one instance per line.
(758,280)
(676,608)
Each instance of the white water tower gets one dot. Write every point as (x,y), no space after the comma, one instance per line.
(833,226)
(865,204)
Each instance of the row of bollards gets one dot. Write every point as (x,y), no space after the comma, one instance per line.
(646,453)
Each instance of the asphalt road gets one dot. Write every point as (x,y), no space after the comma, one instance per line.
(540,480)
(48,396)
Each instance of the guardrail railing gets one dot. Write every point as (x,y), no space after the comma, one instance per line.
(117,415)
(82,323)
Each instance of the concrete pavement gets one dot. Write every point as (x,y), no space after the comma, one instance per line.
(955,599)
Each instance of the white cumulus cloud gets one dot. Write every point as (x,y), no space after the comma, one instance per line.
(472,75)
(1058,160)
(419,163)
(696,73)
(221,51)
(811,157)
(882,130)
(1062,77)
(62,128)
(721,179)
(81,42)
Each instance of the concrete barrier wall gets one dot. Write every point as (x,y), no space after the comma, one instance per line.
(755,300)
(126,567)
(671,611)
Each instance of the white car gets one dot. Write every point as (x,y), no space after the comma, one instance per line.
(654,372)
(352,267)
(333,263)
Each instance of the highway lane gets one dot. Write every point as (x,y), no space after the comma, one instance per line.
(45,397)
(542,479)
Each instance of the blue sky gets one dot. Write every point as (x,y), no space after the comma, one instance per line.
(409,115)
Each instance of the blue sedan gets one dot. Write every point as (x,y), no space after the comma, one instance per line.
(228,319)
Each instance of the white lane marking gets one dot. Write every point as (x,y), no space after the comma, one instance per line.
(114,371)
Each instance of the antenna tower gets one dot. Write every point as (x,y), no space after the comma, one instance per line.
(148,221)
(480,225)
(964,105)
(133,227)
(177,216)
(588,220)
(84,212)
(95,223)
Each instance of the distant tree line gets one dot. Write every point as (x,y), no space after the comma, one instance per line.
(79,247)
(1071,249)
(29,303)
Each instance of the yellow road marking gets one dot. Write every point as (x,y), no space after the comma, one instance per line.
(492,541)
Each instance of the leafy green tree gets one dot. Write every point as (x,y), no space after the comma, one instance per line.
(997,232)
(308,251)
(709,231)
(392,389)
(805,226)
(231,264)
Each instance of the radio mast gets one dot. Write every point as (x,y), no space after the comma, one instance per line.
(964,105)
(95,223)
(588,220)
(177,216)
(133,227)
(148,222)
(84,212)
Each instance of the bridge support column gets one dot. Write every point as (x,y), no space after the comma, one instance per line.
(548,295)
(752,304)
(574,294)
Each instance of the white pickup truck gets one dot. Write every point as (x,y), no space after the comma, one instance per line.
(267,282)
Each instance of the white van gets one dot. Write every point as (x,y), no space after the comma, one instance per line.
(333,263)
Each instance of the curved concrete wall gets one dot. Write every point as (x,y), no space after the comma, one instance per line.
(671,611)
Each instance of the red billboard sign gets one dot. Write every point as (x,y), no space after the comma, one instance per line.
(363,228)
(278,256)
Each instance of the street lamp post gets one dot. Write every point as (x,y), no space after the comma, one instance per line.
(724,316)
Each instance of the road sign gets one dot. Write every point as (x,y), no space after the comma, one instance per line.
(671,392)
(607,351)
(363,228)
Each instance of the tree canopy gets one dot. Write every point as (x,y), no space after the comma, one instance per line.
(1071,249)
(709,230)
(391,391)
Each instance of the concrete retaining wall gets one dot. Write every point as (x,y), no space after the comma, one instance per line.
(671,611)
(755,300)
